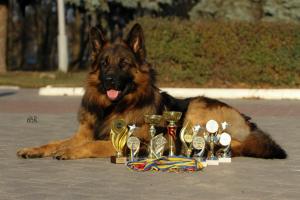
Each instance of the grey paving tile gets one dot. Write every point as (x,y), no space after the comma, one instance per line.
(244,178)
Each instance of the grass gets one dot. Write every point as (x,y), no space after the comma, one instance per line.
(42,79)
(77,79)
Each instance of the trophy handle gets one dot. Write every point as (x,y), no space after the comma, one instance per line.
(201,153)
(227,149)
(112,135)
(122,140)
(137,150)
(217,138)
(182,138)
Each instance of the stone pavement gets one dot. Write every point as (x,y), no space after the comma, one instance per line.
(244,178)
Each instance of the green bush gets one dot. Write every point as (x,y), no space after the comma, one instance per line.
(223,54)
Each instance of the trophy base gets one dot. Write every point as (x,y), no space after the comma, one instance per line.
(118,159)
(225,160)
(212,162)
(204,163)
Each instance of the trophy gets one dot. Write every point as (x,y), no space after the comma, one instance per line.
(159,144)
(172,117)
(212,128)
(225,141)
(118,137)
(133,143)
(199,144)
(152,120)
(187,135)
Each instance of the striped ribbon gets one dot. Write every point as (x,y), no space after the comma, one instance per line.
(170,163)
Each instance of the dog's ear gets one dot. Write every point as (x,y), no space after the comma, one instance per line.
(97,40)
(135,40)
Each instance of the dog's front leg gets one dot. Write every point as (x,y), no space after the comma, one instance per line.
(93,149)
(83,136)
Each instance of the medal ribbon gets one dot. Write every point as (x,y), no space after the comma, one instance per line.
(173,163)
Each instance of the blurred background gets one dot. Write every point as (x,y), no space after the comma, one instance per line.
(193,43)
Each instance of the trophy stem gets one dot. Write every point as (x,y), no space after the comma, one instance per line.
(225,155)
(152,133)
(119,154)
(172,135)
(212,147)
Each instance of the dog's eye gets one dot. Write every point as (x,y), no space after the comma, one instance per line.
(104,64)
(123,64)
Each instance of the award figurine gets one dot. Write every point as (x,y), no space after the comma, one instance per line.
(199,145)
(212,128)
(133,143)
(159,143)
(172,117)
(152,120)
(118,137)
(187,135)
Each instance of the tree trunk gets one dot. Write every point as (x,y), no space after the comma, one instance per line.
(39,25)
(24,39)
(9,46)
(3,33)
(74,64)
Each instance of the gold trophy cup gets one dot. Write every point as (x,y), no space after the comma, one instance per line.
(172,117)
(118,137)
(152,120)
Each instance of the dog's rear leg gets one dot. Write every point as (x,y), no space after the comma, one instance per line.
(83,135)
(93,149)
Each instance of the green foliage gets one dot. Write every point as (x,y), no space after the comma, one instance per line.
(223,54)
(42,79)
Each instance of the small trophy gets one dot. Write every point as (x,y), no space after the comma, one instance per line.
(152,120)
(212,128)
(133,143)
(159,143)
(225,140)
(118,137)
(187,135)
(199,145)
(172,117)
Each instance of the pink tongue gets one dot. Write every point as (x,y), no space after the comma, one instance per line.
(112,94)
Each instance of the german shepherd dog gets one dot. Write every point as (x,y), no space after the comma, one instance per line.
(121,84)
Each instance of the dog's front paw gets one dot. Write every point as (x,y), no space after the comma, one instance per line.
(31,153)
(64,154)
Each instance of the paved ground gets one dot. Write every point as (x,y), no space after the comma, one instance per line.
(244,178)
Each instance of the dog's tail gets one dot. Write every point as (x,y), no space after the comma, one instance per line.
(260,145)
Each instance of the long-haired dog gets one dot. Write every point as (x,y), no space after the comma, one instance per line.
(121,84)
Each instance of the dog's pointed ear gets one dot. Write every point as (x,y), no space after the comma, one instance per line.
(97,40)
(135,40)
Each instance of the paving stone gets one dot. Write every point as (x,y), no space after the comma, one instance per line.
(244,178)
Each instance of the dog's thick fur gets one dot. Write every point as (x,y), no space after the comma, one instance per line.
(121,84)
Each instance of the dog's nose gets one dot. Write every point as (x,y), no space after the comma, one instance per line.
(110,81)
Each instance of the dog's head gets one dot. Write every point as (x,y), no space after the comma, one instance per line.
(119,69)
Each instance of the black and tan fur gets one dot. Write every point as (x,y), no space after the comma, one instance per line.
(121,84)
